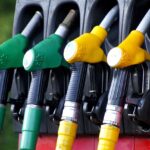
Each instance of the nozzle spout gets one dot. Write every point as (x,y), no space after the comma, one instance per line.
(31,26)
(63,28)
(110,17)
(145,23)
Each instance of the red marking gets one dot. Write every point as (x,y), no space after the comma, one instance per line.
(142,143)
(90,143)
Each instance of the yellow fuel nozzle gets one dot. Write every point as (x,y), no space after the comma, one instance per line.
(108,137)
(129,52)
(86,48)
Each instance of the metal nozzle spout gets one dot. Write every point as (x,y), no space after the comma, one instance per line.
(63,28)
(31,26)
(69,18)
(145,23)
(110,17)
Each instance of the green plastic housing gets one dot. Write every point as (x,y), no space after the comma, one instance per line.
(46,54)
(31,127)
(2,115)
(12,52)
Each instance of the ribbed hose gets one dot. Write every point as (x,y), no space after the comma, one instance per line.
(36,91)
(118,88)
(76,84)
(4,76)
(5,85)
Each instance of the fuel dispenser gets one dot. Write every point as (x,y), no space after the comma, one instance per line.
(44,80)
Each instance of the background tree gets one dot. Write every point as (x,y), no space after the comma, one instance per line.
(8,139)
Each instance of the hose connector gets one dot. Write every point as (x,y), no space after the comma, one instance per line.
(31,127)
(86,48)
(129,52)
(66,135)
(2,115)
(108,137)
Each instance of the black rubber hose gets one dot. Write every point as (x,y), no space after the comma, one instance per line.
(118,88)
(5,84)
(76,84)
(37,87)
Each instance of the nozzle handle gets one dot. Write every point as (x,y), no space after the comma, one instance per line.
(110,17)
(31,26)
(145,23)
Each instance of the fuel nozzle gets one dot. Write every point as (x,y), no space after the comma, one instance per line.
(85,49)
(81,49)
(15,47)
(11,55)
(128,53)
(42,57)
(39,56)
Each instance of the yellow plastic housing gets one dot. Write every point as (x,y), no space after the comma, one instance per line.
(108,137)
(86,48)
(66,135)
(130,51)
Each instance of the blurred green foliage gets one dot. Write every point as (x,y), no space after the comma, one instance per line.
(7,8)
(8,139)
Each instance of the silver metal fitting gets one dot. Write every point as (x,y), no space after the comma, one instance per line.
(71,111)
(113,115)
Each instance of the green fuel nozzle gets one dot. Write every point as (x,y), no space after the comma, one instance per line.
(15,47)
(45,55)
(11,55)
